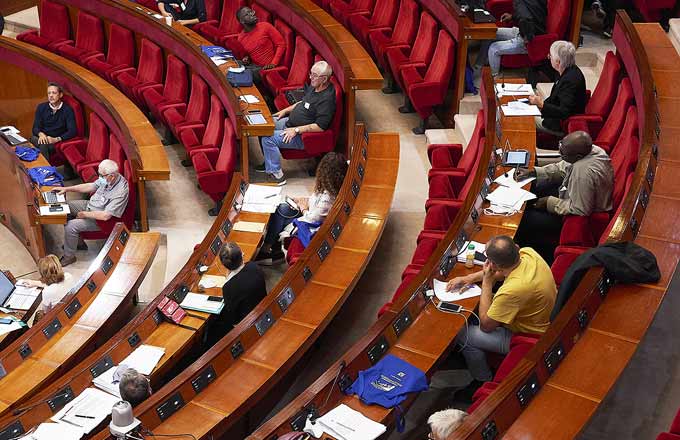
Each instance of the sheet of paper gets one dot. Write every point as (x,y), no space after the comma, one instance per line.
(45,210)
(465,292)
(523,110)
(510,196)
(106,383)
(201,303)
(250,99)
(157,16)
(218,60)
(8,328)
(145,358)
(259,207)
(508,89)
(479,247)
(208,281)
(237,69)
(344,423)
(508,179)
(249,227)
(52,431)
(260,193)
(87,410)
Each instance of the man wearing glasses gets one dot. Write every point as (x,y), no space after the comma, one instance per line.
(110,199)
(313,114)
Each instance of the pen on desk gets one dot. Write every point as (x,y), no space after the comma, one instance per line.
(84,417)
(270,196)
(344,426)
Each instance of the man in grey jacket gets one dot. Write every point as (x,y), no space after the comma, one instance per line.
(580,184)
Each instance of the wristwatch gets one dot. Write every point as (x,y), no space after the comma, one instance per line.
(297,130)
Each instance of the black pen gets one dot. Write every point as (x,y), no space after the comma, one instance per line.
(84,417)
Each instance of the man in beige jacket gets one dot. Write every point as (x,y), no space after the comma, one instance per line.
(580,184)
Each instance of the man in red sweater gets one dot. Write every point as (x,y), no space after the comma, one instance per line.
(262,45)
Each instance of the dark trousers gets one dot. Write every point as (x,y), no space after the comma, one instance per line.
(540,229)
(282,217)
(46,150)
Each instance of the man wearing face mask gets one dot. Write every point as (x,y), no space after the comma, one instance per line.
(261,45)
(110,199)
(580,184)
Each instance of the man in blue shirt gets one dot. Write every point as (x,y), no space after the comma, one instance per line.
(54,121)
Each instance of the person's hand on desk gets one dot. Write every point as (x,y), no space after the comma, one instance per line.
(541,204)
(524,173)
(536,100)
(457,283)
(288,134)
(506,17)
(42,138)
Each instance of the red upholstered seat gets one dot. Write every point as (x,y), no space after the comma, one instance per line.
(261,12)
(228,26)
(652,10)
(403,32)
(128,218)
(289,37)
(452,155)
(215,167)
(601,101)
(90,173)
(174,90)
(57,158)
(609,133)
(429,89)
(295,249)
(212,9)
(342,10)
(120,54)
(578,230)
(175,116)
(498,8)
(384,14)
(317,144)
(406,279)
(423,251)
(55,27)
(668,436)
(81,154)
(281,77)
(419,54)
(675,426)
(559,12)
(89,40)
(149,73)
(210,136)
(625,155)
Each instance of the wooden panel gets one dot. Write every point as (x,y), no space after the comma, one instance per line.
(381,174)
(100,309)
(667,255)
(652,35)
(664,180)
(185,421)
(668,108)
(65,345)
(371,202)
(283,340)
(664,58)
(340,267)
(658,223)
(668,144)
(420,337)
(665,83)
(317,297)
(26,376)
(360,232)
(9,7)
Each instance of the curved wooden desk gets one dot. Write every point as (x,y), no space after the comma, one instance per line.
(31,68)
(23,315)
(406,329)
(86,317)
(148,327)
(218,394)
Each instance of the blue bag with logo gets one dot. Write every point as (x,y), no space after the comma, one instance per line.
(46,176)
(27,154)
(240,79)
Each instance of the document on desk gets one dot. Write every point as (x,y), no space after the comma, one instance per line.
(344,423)
(9,328)
(508,89)
(22,298)
(209,281)
(201,303)
(261,198)
(516,108)
(45,209)
(510,196)
(144,359)
(479,247)
(105,382)
(250,99)
(87,410)
(249,227)
(508,179)
(218,60)
(52,431)
(465,292)
(256,119)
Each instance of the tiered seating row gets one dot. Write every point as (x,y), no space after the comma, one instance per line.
(97,305)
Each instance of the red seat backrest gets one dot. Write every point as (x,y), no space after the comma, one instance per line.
(98,142)
(213,131)
(439,70)
(610,131)
(467,160)
(559,12)
(150,63)
(363,4)
(198,107)
(630,129)
(302,62)
(116,152)
(289,37)
(437,218)
(176,80)
(228,22)
(605,234)
(624,164)
(407,20)
(441,187)
(212,9)
(468,182)
(226,161)
(384,13)
(600,103)
(54,21)
(425,40)
(78,112)
(261,13)
(121,48)
(90,33)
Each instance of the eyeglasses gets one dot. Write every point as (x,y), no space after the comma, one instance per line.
(316,75)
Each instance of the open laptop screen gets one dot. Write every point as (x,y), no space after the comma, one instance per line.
(6,287)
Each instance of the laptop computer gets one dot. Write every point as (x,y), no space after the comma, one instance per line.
(482,16)
(6,288)
(293,96)
(12,138)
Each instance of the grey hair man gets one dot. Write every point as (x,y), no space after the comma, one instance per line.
(443,423)
(109,200)
(134,387)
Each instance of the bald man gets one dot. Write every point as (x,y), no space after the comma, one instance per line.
(580,184)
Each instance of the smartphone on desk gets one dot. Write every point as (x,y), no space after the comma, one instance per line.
(6,321)
(215,298)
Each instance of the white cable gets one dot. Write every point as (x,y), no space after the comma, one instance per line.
(457,313)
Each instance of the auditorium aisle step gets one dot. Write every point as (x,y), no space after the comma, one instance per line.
(21,21)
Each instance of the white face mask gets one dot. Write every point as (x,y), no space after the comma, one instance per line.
(101,181)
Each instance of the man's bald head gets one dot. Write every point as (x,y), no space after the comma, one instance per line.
(502,251)
(576,146)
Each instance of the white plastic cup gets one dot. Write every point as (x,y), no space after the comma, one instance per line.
(168,20)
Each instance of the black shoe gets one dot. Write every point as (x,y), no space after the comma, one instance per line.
(270,258)
(418,130)
(187,163)
(80,247)
(278,181)
(464,395)
(389,90)
(260,168)
(406,109)
(65,260)
(214,211)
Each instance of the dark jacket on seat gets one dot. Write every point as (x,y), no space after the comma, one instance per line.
(529,16)
(567,98)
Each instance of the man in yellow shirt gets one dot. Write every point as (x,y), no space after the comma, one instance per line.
(521,305)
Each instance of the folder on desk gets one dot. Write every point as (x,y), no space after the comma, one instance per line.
(344,423)
(201,303)
(87,410)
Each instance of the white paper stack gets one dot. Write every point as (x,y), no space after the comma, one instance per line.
(514,89)
(464,292)
(479,247)
(14,325)
(516,108)
(106,383)
(87,410)
(508,179)
(250,99)
(509,198)
(209,281)
(249,227)
(52,431)
(201,303)
(344,423)
(261,198)
(144,359)
(45,210)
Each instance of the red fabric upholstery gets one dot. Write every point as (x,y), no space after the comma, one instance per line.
(289,37)
(519,347)
(585,231)
(429,90)
(295,249)
(212,9)
(418,55)
(651,9)
(564,257)
(384,14)
(499,7)
(57,158)
(452,155)
(605,234)
(120,54)
(149,73)
(675,426)
(405,281)
(280,77)
(116,154)
(151,4)
(423,251)
(196,112)
(81,154)
(55,27)
(212,135)
(89,40)
(175,88)
(228,25)
(559,12)
(481,394)
(215,167)
(128,218)
(403,32)
(668,436)
(342,10)
(625,154)
(261,13)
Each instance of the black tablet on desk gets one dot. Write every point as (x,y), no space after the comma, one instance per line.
(516,158)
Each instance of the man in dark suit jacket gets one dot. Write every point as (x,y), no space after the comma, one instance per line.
(568,96)
(244,289)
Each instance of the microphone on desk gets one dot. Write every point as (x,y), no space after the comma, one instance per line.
(313,418)
(20,411)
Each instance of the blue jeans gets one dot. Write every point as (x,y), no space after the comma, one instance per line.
(508,42)
(478,343)
(272,144)
(282,217)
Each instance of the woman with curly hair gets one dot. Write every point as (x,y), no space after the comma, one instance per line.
(54,282)
(311,211)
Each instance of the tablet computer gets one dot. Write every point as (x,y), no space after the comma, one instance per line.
(514,158)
